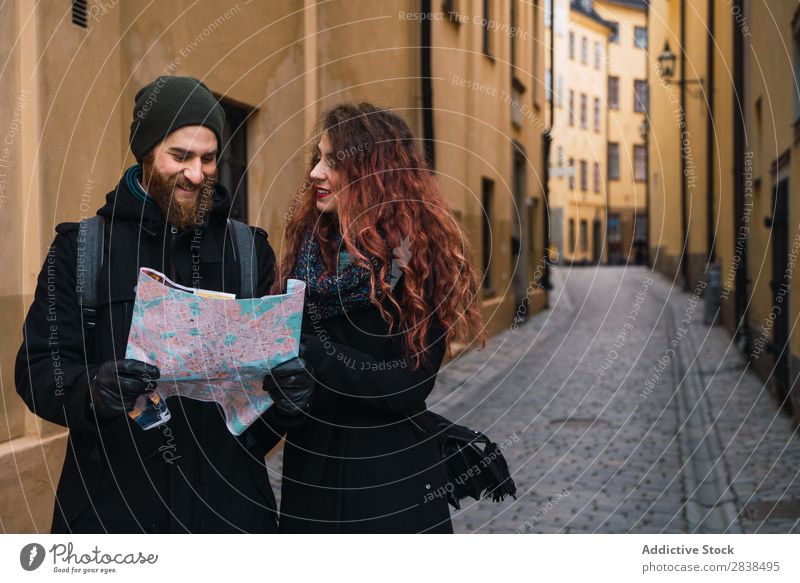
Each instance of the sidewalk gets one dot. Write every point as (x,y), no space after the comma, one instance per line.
(745,452)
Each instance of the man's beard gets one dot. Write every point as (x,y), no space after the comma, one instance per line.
(180,214)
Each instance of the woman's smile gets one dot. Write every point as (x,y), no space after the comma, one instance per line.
(326,177)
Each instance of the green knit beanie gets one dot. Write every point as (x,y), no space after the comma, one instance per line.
(171,103)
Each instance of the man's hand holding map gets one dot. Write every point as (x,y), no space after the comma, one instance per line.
(211,347)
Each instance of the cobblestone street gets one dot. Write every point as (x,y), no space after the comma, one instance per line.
(597,436)
(619,411)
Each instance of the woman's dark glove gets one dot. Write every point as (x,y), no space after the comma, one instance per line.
(118,383)
(291,386)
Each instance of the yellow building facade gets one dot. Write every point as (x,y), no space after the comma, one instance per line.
(771,192)
(578,172)
(627,99)
(724,197)
(66,101)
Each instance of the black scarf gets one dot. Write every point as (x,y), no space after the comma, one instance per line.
(332,294)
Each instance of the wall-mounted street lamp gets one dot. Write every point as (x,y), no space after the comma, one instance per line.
(666,63)
(666,68)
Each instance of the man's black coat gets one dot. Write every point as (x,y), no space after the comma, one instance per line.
(189,474)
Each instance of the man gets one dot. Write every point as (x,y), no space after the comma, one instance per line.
(190,474)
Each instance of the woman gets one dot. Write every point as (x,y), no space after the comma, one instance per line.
(390,286)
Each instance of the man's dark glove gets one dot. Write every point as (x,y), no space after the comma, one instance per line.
(118,383)
(291,386)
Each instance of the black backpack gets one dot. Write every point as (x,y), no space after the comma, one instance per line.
(90,250)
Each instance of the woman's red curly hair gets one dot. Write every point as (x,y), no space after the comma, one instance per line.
(388,194)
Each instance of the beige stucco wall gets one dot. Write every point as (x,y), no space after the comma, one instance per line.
(723,176)
(28,447)
(696,116)
(681,132)
(664,149)
(12,215)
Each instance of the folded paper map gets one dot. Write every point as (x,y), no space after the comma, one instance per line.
(211,347)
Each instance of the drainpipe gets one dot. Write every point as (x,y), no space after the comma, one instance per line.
(608,182)
(713,290)
(742,326)
(427,87)
(646,235)
(684,217)
(710,38)
(547,144)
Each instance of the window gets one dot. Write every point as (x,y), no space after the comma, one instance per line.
(640,97)
(548,13)
(613,93)
(571,106)
(572,173)
(572,45)
(639,163)
(640,228)
(597,114)
(584,50)
(517,105)
(233,162)
(614,36)
(584,177)
(614,229)
(758,121)
(596,176)
(613,161)
(548,83)
(584,123)
(487,37)
(584,235)
(450,7)
(487,193)
(598,56)
(640,37)
(519,230)
(80,13)
(572,235)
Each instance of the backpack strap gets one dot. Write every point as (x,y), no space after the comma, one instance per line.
(244,243)
(89,260)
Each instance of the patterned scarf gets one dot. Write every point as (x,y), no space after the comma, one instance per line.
(330,295)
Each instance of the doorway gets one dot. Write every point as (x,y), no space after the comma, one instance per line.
(779,238)
(519,224)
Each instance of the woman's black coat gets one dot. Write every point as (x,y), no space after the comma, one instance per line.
(190,474)
(359,463)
